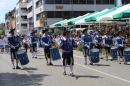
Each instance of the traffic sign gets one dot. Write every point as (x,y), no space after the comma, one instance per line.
(41,21)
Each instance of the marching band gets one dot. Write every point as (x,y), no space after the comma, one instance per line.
(90,40)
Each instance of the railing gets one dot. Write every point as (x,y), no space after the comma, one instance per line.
(24,19)
(24,27)
(24,11)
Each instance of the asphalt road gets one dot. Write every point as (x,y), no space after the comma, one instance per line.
(37,73)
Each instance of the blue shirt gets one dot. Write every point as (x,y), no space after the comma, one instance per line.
(14,41)
(107,40)
(33,39)
(87,39)
(67,45)
(120,41)
(46,40)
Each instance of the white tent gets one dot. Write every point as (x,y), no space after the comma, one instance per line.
(82,20)
(109,16)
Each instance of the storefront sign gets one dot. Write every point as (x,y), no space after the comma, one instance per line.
(59,7)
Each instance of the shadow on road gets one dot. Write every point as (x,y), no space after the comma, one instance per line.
(29,69)
(84,76)
(58,65)
(101,65)
(14,79)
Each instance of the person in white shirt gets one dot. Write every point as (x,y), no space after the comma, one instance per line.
(6,43)
(26,42)
(2,45)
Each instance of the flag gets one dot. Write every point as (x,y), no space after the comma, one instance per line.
(118,3)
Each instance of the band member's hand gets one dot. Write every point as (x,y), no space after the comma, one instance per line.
(46,44)
(87,46)
(120,45)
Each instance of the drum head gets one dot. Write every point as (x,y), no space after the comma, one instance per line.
(114,47)
(21,51)
(127,49)
(95,50)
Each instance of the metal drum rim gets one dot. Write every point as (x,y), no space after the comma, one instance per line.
(19,50)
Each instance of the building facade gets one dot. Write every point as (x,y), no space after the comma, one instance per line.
(56,10)
(21,17)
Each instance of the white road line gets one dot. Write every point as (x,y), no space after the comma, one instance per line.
(78,56)
(103,73)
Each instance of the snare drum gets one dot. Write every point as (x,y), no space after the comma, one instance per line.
(113,52)
(22,55)
(55,55)
(127,55)
(94,55)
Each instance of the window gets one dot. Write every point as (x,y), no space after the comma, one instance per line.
(106,1)
(82,2)
(40,15)
(75,1)
(82,13)
(50,2)
(24,18)
(76,13)
(90,1)
(24,26)
(66,1)
(50,14)
(58,1)
(127,1)
(30,19)
(30,9)
(39,3)
(24,10)
(58,14)
(66,14)
(111,1)
(99,1)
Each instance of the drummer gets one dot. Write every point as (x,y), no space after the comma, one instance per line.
(120,42)
(67,45)
(34,45)
(98,43)
(46,41)
(107,42)
(87,44)
(14,43)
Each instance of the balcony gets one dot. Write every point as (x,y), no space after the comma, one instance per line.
(23,27)
(24,11)
(24,19)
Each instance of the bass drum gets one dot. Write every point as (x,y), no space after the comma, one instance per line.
(22,55)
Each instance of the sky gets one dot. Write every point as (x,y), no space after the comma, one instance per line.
(6,6)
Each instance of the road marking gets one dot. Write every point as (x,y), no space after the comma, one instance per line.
(103,73)
(78,56)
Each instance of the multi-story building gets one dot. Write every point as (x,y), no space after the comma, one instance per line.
(21,17)
(56,10)
(2,25)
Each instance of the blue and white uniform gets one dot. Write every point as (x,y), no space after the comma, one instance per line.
(67,45)
(107,41)
(87,44)
(34,46)
(46,42)
(120,41)
(14,43)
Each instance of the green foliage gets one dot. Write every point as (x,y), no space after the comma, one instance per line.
(79,48)
(2,31)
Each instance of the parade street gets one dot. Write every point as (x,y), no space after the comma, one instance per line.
(37,73)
